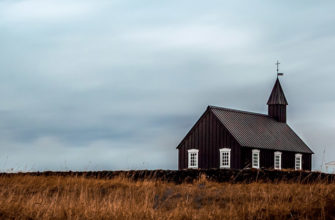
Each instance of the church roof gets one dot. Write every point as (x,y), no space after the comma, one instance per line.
(277,95)
(259,130)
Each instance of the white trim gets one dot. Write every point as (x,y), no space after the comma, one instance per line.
(253,158)
(225,151)
(299,167)
(277,154)
(194,152)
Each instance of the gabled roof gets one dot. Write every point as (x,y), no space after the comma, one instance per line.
(277,95)
(259,131)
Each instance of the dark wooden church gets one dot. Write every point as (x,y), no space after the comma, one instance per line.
(228,138)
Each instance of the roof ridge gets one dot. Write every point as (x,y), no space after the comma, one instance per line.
(238,111)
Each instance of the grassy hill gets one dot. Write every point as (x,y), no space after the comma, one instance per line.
(212,194)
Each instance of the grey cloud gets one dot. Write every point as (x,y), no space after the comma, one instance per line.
(116,85)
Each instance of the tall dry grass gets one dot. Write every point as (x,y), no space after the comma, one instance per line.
(55,197)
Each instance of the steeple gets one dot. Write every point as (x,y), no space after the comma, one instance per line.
(277,96)
(277,103)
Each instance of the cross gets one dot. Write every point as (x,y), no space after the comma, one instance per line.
(278,73)
(277,66)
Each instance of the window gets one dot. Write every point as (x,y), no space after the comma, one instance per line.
(193,158)
(277,160)
(298,161)
(225,158)
(255,158)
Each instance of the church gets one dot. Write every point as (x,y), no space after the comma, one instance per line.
(233,139)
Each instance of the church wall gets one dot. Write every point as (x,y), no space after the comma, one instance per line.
(246,157)
(267,159)
(307,161)
(209,135)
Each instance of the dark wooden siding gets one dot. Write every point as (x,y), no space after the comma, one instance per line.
(307,161)
(278,112)
(246,157)
(209,135)
(267,159)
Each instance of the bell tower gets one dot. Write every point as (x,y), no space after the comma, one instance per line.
(277,102)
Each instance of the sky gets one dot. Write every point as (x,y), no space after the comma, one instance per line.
(116,85)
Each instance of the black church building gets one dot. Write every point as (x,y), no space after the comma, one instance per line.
(228,138)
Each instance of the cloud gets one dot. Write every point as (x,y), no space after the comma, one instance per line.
(117,84)
(43,11)
(50,153)
(192,37)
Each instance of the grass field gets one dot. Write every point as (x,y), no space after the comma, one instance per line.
(70,197)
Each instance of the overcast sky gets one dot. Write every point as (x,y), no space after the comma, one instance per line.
(116,84)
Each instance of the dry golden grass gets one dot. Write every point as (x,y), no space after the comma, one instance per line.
(56,197)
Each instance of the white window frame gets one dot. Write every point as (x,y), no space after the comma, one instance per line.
(196,152)
(255,152)
(300,163)
(224,151)
(277,153)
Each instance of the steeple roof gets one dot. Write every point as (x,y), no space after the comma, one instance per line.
(277,96)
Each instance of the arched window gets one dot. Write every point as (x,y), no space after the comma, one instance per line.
(193,158)
(225,158)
